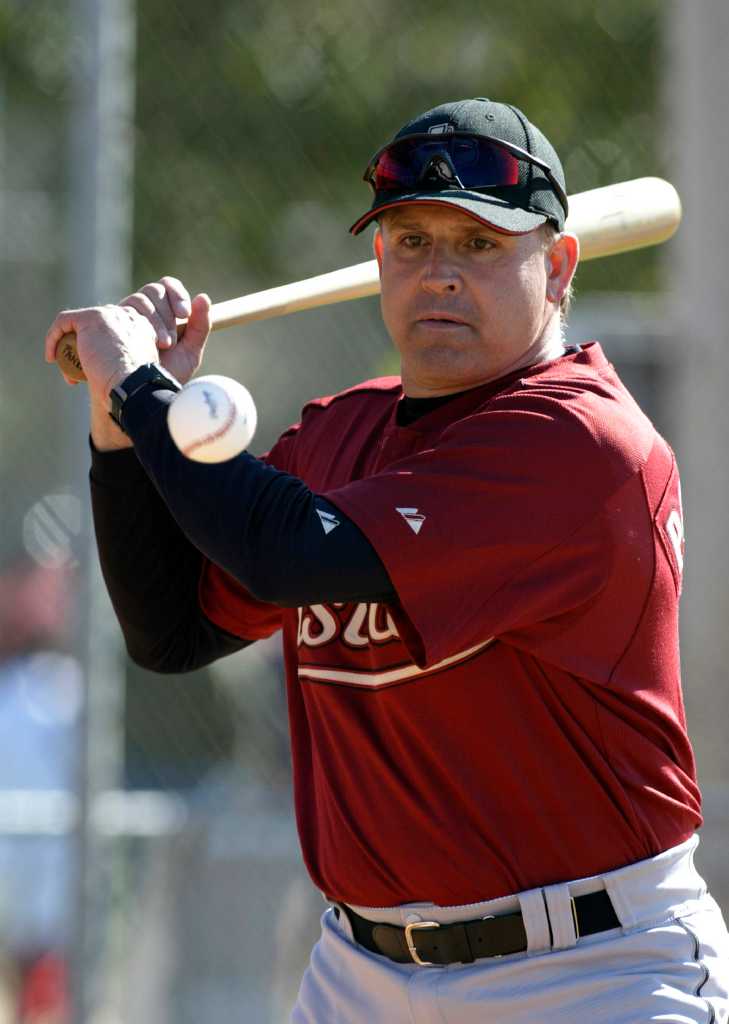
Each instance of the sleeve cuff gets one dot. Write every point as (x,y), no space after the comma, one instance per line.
(121,467)
(145,410)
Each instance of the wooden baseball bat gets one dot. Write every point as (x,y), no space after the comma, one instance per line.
(616,218)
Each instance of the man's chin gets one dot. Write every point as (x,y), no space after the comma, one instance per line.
(435,372)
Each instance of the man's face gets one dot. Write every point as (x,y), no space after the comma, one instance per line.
(464,303)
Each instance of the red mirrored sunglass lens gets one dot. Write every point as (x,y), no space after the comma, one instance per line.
(477,162)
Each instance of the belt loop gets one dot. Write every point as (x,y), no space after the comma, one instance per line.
(562,917)
(536,922)
(621,905)
(339,912)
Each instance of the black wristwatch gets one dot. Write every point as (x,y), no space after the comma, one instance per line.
(149,376)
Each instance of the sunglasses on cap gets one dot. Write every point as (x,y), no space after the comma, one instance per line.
(456,160)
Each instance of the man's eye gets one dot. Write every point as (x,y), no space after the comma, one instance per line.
(413,241)
(481,243)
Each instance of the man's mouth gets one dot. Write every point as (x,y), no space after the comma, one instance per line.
(445,319)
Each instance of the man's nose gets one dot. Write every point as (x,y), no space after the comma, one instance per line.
(441,273)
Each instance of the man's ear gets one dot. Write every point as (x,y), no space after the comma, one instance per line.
(561,264)
(377,246)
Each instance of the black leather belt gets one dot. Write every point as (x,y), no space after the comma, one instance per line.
(428,943)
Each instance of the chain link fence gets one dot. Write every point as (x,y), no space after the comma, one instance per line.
(253,123)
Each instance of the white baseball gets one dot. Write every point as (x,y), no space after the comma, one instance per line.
(212,419)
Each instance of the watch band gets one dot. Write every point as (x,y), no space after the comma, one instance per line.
(150,375)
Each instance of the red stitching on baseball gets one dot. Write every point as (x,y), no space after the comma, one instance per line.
(222,429)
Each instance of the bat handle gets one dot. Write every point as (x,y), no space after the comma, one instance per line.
(67,358)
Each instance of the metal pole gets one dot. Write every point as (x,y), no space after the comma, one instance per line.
(697,147)
(99,270)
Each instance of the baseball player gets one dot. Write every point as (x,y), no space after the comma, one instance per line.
(476,568)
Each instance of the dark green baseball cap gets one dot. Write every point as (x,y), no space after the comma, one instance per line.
(480,156)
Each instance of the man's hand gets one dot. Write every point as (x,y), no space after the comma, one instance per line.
(162,303)
(114,340)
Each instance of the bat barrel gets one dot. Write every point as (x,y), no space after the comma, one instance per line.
(620,218)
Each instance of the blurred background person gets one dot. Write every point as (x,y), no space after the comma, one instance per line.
(40,697)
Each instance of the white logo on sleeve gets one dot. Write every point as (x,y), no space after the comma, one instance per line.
(674,529)
(412,517)
(327,520)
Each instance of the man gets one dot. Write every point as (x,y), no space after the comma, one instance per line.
(476,568)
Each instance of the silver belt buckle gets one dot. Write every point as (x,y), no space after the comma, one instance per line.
(409,929)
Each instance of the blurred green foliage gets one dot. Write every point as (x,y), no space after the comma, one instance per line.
(256,119)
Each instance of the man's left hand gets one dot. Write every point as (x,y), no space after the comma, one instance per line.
(114,340)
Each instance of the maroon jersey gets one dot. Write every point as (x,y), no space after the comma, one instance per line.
(516,718)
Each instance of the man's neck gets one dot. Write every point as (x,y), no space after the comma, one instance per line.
(548,347)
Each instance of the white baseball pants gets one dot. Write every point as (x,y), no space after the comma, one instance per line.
(668,962)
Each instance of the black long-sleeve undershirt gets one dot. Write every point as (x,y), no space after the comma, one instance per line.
(260,525)
(156,514)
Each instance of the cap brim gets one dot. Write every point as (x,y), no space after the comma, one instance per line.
(495,212)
